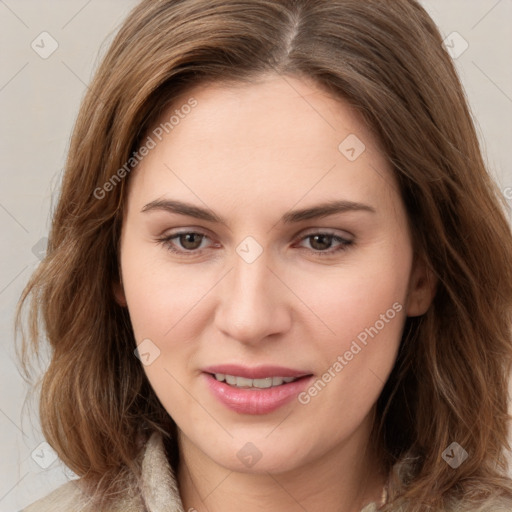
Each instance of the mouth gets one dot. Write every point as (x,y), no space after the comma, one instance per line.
(245,383)
(257,390)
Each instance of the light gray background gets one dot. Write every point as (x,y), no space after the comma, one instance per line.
(39,100)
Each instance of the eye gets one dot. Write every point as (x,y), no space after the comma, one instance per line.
(190,243)
(322,243)
(184,242)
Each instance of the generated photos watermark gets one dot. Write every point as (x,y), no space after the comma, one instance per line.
(156,136)
(343,360)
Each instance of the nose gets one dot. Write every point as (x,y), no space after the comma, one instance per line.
(253,303)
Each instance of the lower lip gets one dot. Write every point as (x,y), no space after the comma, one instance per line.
(255,401)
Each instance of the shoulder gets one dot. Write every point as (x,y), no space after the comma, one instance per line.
(493,504)
(155,489)
(66,498)
(69,497)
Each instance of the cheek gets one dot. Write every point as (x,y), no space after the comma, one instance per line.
(352,298)
(362,313)
(160,296)
(163,304)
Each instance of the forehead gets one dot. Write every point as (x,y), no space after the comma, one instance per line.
(276,109)
(280,136)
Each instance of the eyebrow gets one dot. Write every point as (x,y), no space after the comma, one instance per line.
(291,217)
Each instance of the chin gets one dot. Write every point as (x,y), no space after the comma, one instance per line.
(260,455)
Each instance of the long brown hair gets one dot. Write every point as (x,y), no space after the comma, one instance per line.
(387,59)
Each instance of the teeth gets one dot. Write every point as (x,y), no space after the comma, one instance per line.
(265,383)
(231,380)
(242,382)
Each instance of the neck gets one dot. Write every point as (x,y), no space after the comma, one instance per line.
(343,480)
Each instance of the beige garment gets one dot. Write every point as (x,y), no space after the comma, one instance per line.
(158,491)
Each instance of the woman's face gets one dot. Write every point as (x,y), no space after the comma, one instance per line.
(265,239)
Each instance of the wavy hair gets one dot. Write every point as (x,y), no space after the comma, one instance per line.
(386,58)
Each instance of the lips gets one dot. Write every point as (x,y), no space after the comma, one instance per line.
(257,390)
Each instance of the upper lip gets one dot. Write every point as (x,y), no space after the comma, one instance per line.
(256,372)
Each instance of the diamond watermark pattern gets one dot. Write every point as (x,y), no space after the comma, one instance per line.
(147,352)
(44,45)
(454,455)
(455,45)
(44,455)
(39,249)
(249,455)
(249,249)
(352,147)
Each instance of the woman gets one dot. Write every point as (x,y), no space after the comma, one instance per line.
(279,276)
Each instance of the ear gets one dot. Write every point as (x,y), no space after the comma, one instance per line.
(119,295)
(422,288)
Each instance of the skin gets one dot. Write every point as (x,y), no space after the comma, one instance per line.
(251,153)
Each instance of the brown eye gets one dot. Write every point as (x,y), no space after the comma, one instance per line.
(190,241)
(325,244)
(321,242)
(186,243)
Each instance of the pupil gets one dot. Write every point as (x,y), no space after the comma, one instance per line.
(325,241)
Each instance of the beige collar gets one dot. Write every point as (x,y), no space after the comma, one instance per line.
(158,486)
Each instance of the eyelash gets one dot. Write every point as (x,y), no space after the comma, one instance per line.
(167,242)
